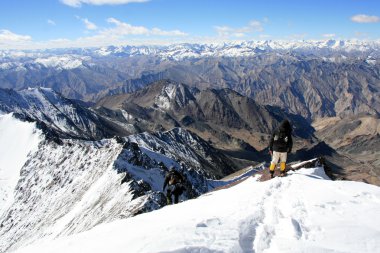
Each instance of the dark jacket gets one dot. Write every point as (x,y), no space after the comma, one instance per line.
(281,139)
(173,177)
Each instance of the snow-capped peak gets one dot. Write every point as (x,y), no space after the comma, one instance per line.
(163,100)
(62,61)
(173,94)
(48,107)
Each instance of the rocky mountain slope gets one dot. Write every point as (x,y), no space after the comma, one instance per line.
(71,186)
(357,137)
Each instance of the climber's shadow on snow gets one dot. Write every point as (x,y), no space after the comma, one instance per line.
(311,176)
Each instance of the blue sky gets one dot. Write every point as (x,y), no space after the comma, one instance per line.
(81,23)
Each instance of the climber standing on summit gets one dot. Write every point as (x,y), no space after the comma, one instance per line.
(175,182)
(280,146)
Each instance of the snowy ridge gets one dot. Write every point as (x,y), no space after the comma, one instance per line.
(62,62)
(19,140)
(71,187)
(50,108)
(304,212)
(22,61)
(187,150)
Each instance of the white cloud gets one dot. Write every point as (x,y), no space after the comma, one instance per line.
(51,22)
(89,25)
(253,26)
(78,3)
(123,29)
(329,35)
(8,37)
(362,18)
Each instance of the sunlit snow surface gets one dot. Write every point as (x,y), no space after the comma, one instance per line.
(303,212)
(17,139)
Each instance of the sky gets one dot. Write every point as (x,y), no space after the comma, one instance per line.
(26,24)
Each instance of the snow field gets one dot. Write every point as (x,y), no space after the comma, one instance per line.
(304,212)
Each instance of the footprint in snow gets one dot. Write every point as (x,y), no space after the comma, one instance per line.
(209,222)
(297,228)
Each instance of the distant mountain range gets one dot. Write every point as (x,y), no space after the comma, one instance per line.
(311,78)
(188,50)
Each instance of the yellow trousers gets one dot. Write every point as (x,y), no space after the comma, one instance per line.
(282,166)
(282,156)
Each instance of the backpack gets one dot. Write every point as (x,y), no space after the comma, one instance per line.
(281,137)
(174,179)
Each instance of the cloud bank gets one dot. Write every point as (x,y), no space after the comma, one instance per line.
(8,37)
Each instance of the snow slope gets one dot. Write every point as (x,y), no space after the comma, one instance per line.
(72,186)
(304,212)
(18,140)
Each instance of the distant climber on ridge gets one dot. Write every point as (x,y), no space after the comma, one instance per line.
(174,180)
(280,145)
